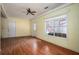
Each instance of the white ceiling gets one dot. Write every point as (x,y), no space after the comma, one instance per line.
(19,9)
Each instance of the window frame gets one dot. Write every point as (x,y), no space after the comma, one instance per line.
(53,19)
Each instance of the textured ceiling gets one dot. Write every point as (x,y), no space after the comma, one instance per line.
(19,9)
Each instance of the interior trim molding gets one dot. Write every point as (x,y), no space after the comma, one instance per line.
(50,11)
(16,37)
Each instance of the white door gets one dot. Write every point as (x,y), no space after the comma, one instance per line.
(34,29)
(12,29)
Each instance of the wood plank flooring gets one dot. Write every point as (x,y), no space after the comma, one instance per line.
(32,46)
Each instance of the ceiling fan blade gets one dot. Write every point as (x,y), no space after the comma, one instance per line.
(33,11)
(29,9)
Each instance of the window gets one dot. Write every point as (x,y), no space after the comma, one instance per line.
(57,26)
(50,27)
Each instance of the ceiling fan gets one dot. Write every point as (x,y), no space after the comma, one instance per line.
(30,12)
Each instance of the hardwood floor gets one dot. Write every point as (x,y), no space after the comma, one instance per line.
(32,46)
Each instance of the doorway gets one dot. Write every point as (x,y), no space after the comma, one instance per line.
(12,29)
